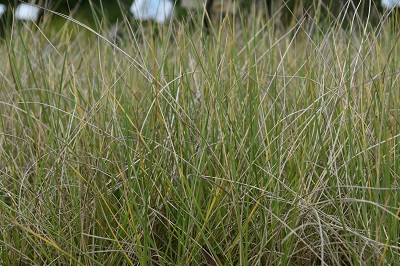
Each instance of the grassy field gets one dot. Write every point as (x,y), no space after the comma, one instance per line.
(259,143)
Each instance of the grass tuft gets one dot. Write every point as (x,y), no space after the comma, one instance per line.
(257,144)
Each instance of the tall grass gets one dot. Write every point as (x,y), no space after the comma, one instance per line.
(266,145)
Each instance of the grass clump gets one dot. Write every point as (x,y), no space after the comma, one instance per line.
(264,145)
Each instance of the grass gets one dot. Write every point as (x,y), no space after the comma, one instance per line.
(264,144)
